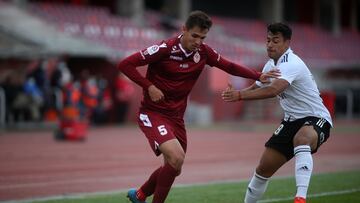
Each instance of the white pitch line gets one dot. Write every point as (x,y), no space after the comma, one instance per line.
(323,194)
(92,194)
(66,196)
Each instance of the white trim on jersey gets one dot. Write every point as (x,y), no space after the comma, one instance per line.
(302,97)
(183,50)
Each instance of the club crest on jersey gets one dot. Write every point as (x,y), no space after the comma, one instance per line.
(196,57)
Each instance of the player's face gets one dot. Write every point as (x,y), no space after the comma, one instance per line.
(276,45)
(193,38)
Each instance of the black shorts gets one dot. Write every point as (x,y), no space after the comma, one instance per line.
(282,139)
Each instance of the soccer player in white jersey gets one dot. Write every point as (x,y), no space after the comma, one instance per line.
(306,124)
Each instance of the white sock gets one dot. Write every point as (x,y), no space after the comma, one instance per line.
(256,188)
(303,169)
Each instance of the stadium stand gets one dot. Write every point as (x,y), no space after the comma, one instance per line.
(321,49)
(120,33)
(239,39)
(35,31)
(98,25)
(63,28)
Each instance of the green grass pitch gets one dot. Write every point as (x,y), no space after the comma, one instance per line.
(329,188)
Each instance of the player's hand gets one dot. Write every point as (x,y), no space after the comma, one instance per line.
(155,94)
(265,77)
(230,94)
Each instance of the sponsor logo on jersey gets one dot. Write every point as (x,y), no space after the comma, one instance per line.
(184,65)
(196,57)
(176,58)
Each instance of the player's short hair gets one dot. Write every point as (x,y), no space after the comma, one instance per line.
(199,19)
(282,28)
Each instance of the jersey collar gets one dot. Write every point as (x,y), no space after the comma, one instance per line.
(279,60)
(182,49)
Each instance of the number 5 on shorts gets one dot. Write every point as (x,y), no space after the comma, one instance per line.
(162,130)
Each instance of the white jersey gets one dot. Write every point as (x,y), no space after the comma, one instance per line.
(301,98)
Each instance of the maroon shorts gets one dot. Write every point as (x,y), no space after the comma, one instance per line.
(159,128)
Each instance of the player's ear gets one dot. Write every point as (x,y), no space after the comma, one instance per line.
(184,29)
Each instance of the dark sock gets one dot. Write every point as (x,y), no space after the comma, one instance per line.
(148,187)
(165,180)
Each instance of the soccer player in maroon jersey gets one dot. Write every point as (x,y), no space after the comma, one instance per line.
(174,65)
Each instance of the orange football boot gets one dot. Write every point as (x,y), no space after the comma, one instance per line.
(299,200)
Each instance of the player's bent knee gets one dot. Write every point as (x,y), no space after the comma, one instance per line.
(301,140)
(305,139)
(176,161)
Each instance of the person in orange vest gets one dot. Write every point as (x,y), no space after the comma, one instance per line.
(71,94)
(71,100)
(89,95)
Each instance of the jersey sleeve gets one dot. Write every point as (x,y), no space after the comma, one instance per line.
(289,71)
(215,59)
(146,56)
(267,67)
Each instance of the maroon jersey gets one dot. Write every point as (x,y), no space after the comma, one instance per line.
(174,72)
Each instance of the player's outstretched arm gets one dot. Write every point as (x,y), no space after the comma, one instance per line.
(214,59)
(275,88)
(230,94)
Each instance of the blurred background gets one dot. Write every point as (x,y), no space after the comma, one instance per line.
(58,59)
(59,78)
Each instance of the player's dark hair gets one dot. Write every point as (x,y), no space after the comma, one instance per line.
(282,28)
(199,19)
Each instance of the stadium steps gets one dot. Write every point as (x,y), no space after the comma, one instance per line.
(25,26)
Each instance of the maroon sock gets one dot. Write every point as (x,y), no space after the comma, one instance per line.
(165,180)
(148,187)
(140,195)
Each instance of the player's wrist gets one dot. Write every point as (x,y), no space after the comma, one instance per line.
(151,86)
(239,95)
(259,75)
